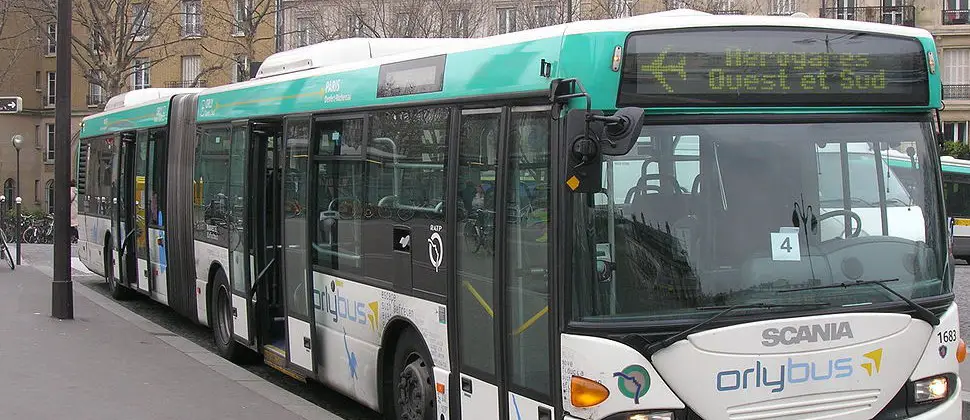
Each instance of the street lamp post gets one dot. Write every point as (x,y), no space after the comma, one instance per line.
(18,142)
(19,227)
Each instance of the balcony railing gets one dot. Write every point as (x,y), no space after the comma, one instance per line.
(95,100)
(185,84)
(956,17)
(727,12)
(892,15)
(956,91)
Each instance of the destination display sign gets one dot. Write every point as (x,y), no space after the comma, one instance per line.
(772,67)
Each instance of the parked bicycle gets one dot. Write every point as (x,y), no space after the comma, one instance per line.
(41,231)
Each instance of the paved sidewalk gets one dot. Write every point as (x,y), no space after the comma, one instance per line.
(110,363)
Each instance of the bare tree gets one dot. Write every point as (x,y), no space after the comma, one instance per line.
(395,19)
(116,38)
(244,31)
(13,43)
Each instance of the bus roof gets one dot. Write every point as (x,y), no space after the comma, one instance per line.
(950,164)
(143,108)
(310,79)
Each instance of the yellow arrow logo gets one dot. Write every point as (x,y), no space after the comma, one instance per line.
(658,67)
(876,357)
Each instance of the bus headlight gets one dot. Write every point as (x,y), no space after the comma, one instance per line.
(931,389)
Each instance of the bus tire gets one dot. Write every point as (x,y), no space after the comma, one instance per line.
(412,382)
(118,292)
(220,302)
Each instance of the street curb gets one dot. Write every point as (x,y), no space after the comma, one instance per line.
(289,401)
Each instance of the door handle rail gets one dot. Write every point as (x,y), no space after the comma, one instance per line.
(259,277)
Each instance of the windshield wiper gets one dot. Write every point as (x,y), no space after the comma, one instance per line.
(921,311)
(653,348)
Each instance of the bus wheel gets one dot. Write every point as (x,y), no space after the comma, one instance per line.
(413,387)
(118,291)
(220,304)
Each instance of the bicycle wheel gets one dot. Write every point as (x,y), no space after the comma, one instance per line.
(30,235)
(471,236)
(6,250)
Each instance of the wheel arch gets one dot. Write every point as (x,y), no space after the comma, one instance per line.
(396,326)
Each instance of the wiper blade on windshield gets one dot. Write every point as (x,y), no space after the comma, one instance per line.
(653,348)
(921,311)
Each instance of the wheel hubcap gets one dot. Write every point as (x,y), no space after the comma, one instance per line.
(414,393)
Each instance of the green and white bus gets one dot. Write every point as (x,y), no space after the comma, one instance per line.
(668,216)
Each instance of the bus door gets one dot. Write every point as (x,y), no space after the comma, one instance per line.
(502,264)
(124,223)
(263,237)
(142,157)
(294,196)
(155,214)
(240,258)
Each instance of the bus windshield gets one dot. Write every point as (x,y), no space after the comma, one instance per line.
(704,215)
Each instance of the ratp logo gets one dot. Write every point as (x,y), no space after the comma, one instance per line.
(633,382)
(872,366)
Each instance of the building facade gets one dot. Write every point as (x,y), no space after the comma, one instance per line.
(169,43)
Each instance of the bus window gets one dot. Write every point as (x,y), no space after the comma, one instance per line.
(528,251)
(339,170)
(211,176)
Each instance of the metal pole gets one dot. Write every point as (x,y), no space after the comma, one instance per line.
(62,293)
(20,220)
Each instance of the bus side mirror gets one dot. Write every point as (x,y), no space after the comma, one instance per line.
(590,135)
(622,131)
(584,171)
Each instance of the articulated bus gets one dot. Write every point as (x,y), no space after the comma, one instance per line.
(681,216)
(956,195)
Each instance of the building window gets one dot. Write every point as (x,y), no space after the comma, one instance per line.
(956,73)
(782,7)
(240,68)
(141,76)
(50,142)
(403,25)
(459,23)
(139,21)
(355,26)
(191,67)
(95,94)
(50,196)
(620,8)
(37,81)
(8,192)
(191,18)
(955,131)
(51,38)
(37,191)
(51,88)
(96,41)
(955,12)
(506,21)
(547,15)
(241,17)
(304,28)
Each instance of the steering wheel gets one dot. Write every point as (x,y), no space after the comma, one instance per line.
(842,212)
(643,188)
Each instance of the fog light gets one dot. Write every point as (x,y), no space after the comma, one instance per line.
(586,392)
(664,415)
(930,389)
